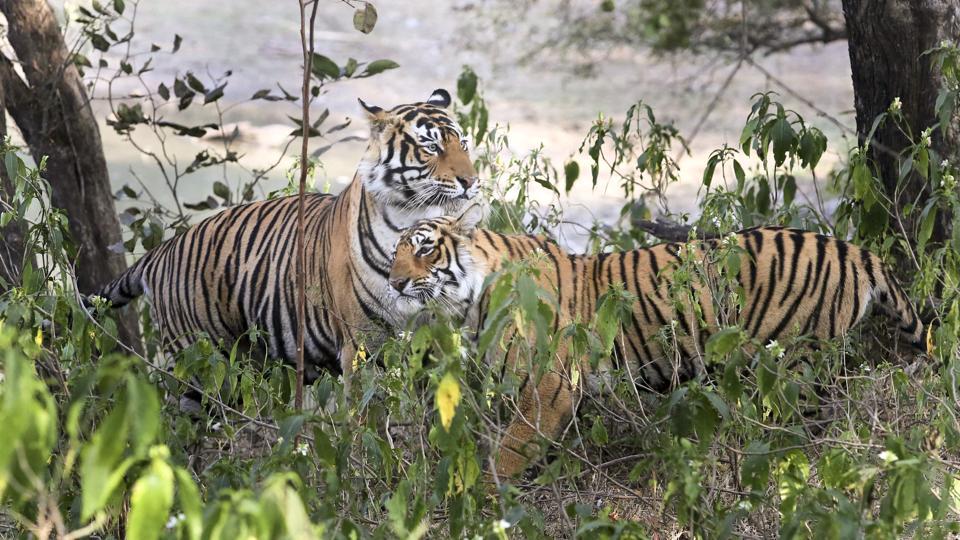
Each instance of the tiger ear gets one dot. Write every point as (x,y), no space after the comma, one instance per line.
(439,98)
(375,115)
(470,218)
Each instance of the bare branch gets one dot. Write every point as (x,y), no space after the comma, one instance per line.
(671,231)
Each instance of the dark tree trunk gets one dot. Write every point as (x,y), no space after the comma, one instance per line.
(11,236)
(886,39)
(53,112)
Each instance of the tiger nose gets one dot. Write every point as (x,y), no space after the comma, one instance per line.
(467,182)
(399,284)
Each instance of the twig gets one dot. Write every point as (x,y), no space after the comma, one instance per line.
(307,47)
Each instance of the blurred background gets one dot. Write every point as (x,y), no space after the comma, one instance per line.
(543,81)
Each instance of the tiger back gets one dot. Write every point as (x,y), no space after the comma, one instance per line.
(236,270)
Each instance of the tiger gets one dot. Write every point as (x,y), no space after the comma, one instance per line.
(236,270)
(792,282)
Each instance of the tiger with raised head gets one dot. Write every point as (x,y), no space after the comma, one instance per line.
(793,283)
(236,269)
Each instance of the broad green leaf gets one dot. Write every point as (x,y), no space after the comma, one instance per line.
(144,405)
(190,503)
(324,68)
(150,502)
(812,146)
(466,85)
(101,464)
(708,172)
(783,137)
(723,342)
(571,170)
(927,221)
(365,18)
(789,189)
(378,66)
(221,190)
(598,432)
(29,419)
(755,469)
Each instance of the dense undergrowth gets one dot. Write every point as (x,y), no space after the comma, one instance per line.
(859,437)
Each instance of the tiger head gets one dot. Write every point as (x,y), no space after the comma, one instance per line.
(434,262)
(418,156)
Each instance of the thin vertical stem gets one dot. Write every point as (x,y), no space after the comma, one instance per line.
(307,48)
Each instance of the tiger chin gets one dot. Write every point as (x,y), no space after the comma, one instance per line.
(793,283)
(236,269)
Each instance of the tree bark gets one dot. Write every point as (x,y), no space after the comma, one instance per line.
(886,39)
(12,236)
(53,112)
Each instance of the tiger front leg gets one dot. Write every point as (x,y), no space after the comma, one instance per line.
(543,408)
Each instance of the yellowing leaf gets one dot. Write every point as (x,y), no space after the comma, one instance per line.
(930,345)
(361,356)
(39,338)
(448,397)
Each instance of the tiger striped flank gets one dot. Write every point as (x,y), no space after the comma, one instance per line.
(792,283)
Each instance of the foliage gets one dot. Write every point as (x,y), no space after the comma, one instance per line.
(568,30)
(852,439)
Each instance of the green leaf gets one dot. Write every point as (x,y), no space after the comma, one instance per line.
(466,85)
(214,95)
(101,469)
(163,91)
(789,189)
(945,105)
(29,420)
(923,163)
(598,432)
(177,40)
(783,138)
(739,173)
(813,144)
(99,43)
(708,172)
(746,136)
(119,6)
(145,406)
(396,507)
(755,469)
(927,220)
(150,502)
(221,190)
(571,170)
(365,18)
(190,503)
(324,68)
(195,83)
(378,66)
(723,342)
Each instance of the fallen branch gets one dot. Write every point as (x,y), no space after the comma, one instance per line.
(671,231)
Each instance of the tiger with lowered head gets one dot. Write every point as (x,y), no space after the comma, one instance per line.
(793,283)
(236,269)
